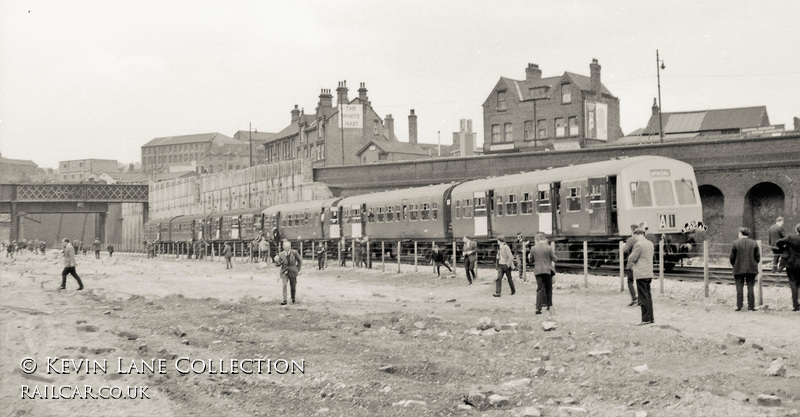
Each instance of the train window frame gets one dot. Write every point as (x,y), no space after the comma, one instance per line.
(681,188)
(435,210)
(659,194)
(380,217)
(574,199)
(458,209)
(468,213)
(305,218)
(526,204)
(389,214)
(636,201)
(371,215)
(543,202)
(397,213)
(596,195)
(479,208)
(499,206)
(413,212)
(511,203)
(425,212)
(405,212)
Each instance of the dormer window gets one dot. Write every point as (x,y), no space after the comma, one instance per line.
(501,100)
(566,94)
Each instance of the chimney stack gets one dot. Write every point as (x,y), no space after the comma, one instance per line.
(362,94)
(594,68)
(533,72)
(325,99)
(412,127)
(655,107)
(295,114)
(389,122)
(341,93)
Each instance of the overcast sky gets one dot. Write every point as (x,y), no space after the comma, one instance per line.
(99,79)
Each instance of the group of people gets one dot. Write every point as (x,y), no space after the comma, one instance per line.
(12,247)
(542,257)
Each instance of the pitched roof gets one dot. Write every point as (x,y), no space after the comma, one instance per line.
(200,137)
(394,147)
(522,88)
(128,176)
(4,160)
(245,135)
(293,128)
(709,120)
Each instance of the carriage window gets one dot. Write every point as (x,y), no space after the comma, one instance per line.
(370,215)
(425,213)
(499,205)
(334,216)
(526,203)
(573,199)
(380,214)
(480,207)
(435,211)
(413,212)
(640,194)
(397,213)
(389,214)
(685,190)
(511,205)
(305,218)
(405,212)
(543,198)
(663,189)
(596,194)
(467,208)
(458,209)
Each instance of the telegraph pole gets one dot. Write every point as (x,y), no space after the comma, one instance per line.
(250,132)
(659,67)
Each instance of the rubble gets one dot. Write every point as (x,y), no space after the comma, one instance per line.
(549,325)
(776,368)
(768,400)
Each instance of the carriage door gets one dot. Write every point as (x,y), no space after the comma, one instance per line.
(555,198)
(611,192)
(481,212)
(598,206)
(574,213)
(355,220)
(544,208)
(236,222)
(335,226)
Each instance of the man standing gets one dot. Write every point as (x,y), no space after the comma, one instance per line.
(343,251)
(543,255)
(438,260)
(775,234)
(642,258)
(470,252)
(96,248)
(289,261)
(110,249)
(263,248)
(519,254)
(69,266)
(321,253)
(505,261)
(745,258)
(626,251)
(790,246)
(227,253)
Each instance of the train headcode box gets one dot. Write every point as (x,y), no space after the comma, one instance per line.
(666,221)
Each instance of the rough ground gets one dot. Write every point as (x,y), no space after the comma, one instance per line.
(382,343)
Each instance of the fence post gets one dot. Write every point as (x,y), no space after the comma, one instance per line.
(354,253)
(339,251)
(399,249)
(313,246)
(705,266)
(415,256)
(454,257)
(586,264)
(383,256)
(621,267)
(301,250)
(251,252)
(760,274)
(369,254)
(269,255)
(661,265)
(524,261)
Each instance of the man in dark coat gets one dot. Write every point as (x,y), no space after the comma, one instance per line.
(290,262)
(543,256)
(744,258)
(626,251)
(470,252)
(790,246)
(775,234)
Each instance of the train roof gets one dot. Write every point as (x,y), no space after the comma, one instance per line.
(301,206)
(593,169)
(435,191)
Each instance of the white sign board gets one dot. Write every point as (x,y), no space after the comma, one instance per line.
(351,116)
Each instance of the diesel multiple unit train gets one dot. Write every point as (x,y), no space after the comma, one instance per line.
(593,202)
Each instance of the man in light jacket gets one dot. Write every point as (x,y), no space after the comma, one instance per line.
(642,258)
(69,265)
(543,256)
(505,262)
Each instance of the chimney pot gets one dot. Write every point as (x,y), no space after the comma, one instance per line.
(594,69)
(412,127)
(533,72)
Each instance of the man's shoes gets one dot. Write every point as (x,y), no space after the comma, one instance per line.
(538,311)
(796,309)
(80,288)
(751,309)
(514,292)
(495,295)
(283,303)
(632,303)
(738,309)
(293,302)
(62,288)
(645,323)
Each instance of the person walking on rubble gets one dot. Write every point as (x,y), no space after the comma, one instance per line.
(69,266)
(289,261)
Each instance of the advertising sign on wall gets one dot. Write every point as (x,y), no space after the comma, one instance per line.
(351,116)
(596,120)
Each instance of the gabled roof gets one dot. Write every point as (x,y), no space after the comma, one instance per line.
(245,135)
(709,120)
(4,160)
(293,128)
(522,88)
(394,147)
(179,140)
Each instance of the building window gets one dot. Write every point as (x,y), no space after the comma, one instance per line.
(375,124)
(561,128)
(566,94)
(501,101)
(528,130)
(495,133)
(458,209)
(508,132)
(321,151)
(573,126)
(382,156)
(541,129)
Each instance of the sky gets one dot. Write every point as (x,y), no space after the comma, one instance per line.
(99,79)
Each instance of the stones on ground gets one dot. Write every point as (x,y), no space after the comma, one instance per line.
(641,368)
(641,413)
(571,348)
(599,353)
(453,300)
(90,328)
(477,400)
(768,400)
(420,325)
(549,326)
(572,410)
(323,410)
(509,326)
(776,368)
(485,323)
(489,332)
(735,339)
(408,403)
(565,400)
(738,396)
(128,335)
(464,407)
(526,412)
(389,369)
(518,383)
(538,371)
(757,346)
(185,341)
(497,400)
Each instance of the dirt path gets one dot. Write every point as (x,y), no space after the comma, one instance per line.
(351,323)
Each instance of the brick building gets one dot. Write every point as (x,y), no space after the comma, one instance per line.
(320,137)
(79,169)
(205,152)
(560,112)
(17,170)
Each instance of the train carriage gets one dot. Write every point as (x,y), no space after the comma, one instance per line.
(186,228)
(300,221)
(238,225)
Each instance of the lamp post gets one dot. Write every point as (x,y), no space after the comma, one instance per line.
(659,66)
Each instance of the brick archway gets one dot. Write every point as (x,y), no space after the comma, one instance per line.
(713,210)
(763,202)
